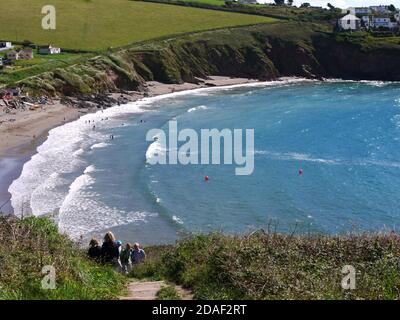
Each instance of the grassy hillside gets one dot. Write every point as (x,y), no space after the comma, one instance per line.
(275,266)
(26,246)
(100,24)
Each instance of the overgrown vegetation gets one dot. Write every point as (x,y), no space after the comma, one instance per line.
(168,293)
(276,266)
(369,40)
(260,265)
(28,245)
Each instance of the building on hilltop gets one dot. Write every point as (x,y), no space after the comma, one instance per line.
(25,54)
(362,11)
(373,17)
(49,49)
(12,55)
(381,22)
(380,9)
(5,45)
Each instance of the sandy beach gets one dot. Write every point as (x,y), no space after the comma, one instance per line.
(25,127)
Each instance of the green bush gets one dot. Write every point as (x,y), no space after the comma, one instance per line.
(168,293)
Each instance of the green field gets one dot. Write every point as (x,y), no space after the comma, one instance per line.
(100,24)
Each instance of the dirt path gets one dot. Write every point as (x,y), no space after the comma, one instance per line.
(147,290)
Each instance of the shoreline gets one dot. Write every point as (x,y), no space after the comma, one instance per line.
(20,129)
(24,131)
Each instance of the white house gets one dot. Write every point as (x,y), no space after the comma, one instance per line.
(381,22)
(5,44)
(349,22)
(49,50)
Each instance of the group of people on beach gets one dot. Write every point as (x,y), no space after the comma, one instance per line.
(112,252)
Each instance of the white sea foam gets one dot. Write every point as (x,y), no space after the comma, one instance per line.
(197,108)
(81,211)
(36,190)
(291,156)
(155,148)
(99,145)
(90,169)
(294,156)
(177,219)
(78,152)
(372,83)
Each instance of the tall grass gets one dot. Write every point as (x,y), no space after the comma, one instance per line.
(276,266)
(27,245)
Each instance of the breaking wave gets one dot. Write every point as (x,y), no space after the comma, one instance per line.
(197,108)
(48,184)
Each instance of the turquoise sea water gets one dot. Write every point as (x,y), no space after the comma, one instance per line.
(343,135)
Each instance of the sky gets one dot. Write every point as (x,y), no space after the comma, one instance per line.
(346,3)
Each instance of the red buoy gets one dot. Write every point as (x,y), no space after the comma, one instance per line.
(206,178)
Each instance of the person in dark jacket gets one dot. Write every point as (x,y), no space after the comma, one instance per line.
(109,249)
(94,251)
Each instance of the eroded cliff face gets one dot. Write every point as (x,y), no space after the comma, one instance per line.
(349,61)
(263,52)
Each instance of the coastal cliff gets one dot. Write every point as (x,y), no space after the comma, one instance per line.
(263,52)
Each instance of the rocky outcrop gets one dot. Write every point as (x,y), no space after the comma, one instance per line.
(262,52)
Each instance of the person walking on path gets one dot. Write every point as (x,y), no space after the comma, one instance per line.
(110,251)
(138,254)
(125,258)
